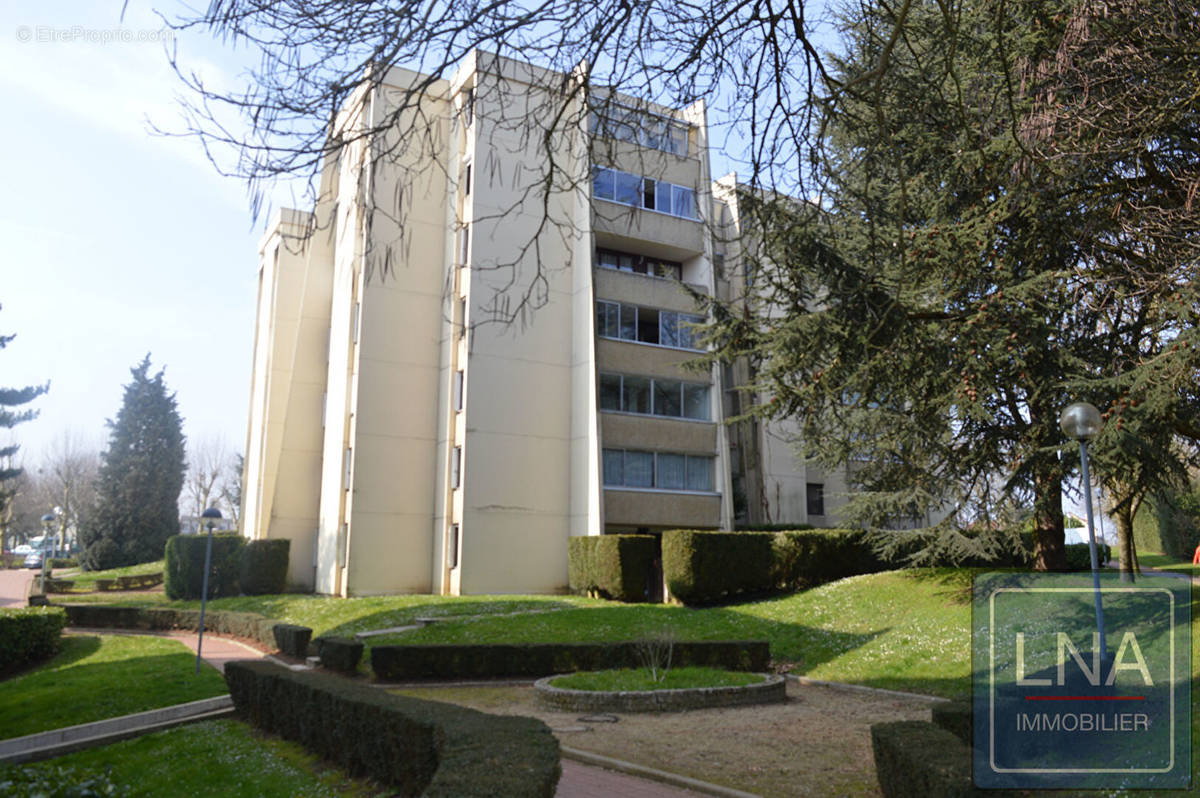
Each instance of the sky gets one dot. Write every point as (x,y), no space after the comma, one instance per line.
(116,242)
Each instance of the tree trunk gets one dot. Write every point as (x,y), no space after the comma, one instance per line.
(1049,552)
(1123,513)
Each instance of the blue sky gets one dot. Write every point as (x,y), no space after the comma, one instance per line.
(117,242)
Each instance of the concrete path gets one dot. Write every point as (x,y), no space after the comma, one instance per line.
(14,586)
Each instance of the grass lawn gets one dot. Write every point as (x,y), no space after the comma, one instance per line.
(641,679)
(1165,562)
(98,677)
(222,759)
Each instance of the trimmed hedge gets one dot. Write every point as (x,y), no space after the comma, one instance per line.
(701,567)
(29,635)
(339,653)
(1079,557)
(616,567)
(449,661)
(264,566)
(913,757)
(184,569)
(292,640)
(415,747)
(955,717)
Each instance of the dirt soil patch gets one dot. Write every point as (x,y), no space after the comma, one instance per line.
(816,744)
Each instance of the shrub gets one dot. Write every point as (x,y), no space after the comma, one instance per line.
(701,567)
(450,661)
(55,782)
(264,566)
(616,567)
(913,757)
(1079,556)
(704,567)
(415,747)
(292,640)
(184,568)
(29,635)
(955,717)
(63,562)
(339,653)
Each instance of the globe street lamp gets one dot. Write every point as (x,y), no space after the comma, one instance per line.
(47,530)
(1081,422)
(208,518)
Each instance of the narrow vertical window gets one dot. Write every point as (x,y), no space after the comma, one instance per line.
(354,314)
(816,498)
(455,467)
(468,107)
(467,182)
(458,391)
(346,469)
(452,554)
(462,316)
(464,245)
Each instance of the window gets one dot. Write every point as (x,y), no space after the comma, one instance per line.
(644,192)
(468,107)
(816,498)
(455,467)
(657,470)
(646,325)
(467,181)
(462,316)
(346,466)
(659,397)
(639,127)
(452,554)
(464,245)
(355,313)
(623,261)
(458,390)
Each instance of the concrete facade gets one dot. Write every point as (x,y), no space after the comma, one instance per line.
(476,345)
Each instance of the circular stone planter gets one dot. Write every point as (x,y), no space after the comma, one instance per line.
(772,690)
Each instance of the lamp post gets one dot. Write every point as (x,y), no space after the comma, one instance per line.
(1081,422)
(47,529)
(208,518)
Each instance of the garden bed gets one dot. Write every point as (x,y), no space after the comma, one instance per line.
(772,689)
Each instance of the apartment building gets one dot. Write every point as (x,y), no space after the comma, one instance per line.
(476,344)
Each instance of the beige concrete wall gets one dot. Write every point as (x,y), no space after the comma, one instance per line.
(284,442)
(641,289)
(651,433)
(657,509)
(639,224)
(517,448)
(626,357)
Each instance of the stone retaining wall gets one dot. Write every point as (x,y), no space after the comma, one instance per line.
(771,691)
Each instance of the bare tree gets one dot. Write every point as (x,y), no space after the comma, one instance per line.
(231,489)
(68,479)
(208,465)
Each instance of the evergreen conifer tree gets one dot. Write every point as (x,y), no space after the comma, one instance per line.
(140,478)
(10,416)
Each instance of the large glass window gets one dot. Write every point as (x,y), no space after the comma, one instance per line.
(646,325)
(639,127)
(643,192)
(635,395)
(660,397)
(623,261)
(658,470)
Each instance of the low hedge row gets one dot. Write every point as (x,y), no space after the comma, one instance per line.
(236,624)
(415,747)
(616,567)
(448,661)
(29,635)
(291,639)
(914,757)
(339,653)
(255,567)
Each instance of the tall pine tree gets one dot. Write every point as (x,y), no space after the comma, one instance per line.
(140,478)
(954,288)
(11,400)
